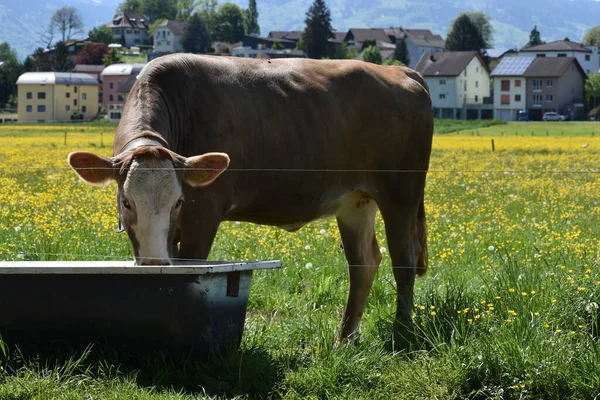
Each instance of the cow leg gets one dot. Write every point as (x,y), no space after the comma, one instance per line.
(202,215)
(356,221)
(405,249)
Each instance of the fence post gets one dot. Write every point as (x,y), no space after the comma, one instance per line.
(493,147)
(65,138)
(101,138)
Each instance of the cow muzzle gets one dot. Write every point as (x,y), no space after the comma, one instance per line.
(154,261)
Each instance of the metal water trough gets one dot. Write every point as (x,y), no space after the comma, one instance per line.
(196,307)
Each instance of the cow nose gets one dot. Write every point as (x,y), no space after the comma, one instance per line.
(155,261)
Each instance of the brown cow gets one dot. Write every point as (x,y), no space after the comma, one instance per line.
(307,139)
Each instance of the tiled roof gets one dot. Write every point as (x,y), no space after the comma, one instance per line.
(361,35)
(449,63)
(128,20)
(177,27)
(558,45)
(543,67)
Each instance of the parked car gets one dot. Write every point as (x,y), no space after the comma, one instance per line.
(552,116)
(523,115)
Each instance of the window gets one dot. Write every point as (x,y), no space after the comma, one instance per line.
(540,55)
(136,32)
(41,108)
(83,108)
(110,98)
(119,98)
(476,69)
(505,85)
(549,98)
(442,81)
(111,85)
(75,89)
(476,83)
(549,83)
(137,41)
(75,102)
(537,99)
(168,42)
(67,108)
(518,83)
(83,96)
(128,31)
(505,99)
(476,98)
(442,96)
(561,55)
(29,108)
(465,72)
(587,57)
(465,86)
(517,97)
(67,95)
(41,95)
(29,95)
(537,85)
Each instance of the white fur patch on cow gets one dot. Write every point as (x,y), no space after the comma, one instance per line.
(152,189)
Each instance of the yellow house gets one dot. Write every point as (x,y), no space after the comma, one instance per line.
(56,96)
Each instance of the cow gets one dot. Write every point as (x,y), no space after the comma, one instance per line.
(307,139)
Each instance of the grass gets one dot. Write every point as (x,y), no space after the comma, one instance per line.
(508,309)
(452,125)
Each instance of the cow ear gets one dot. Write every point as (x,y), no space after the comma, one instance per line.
(204,169)
(93,169)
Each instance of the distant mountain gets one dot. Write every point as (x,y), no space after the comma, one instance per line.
(22,20)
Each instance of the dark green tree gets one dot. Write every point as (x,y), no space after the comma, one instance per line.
(157,9)
(101,34)
(318,30)
(483,22)
(401,51)
(185,9)
(465,36)
(229,23)
(61,59)
(9,73)
(367,43)
(196,38)
(277,45)
(372,54)
(251,18)
(112,57)
(42,60)
(534,38)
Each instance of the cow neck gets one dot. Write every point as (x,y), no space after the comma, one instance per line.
(144,141)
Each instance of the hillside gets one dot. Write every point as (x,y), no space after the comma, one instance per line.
(22,20)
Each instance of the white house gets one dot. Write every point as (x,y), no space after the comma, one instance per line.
(129,29)
(459,81)
(167,36)
(587,56)
(510,88)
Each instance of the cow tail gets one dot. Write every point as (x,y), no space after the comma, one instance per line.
(422,236)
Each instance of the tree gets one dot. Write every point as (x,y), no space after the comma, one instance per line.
(318,30)
(372,55)
(229,23)
(343,52)
(61,60)
(101,34)
(393,62)
(401,52)
(277,45)
(156,9)
(465,36)
(592,37)
(66,22)
(92,54)
(131,6)
(534,38)
(251,18)
(9,73)
(208,13)
(592,89)
(111,57)
(185,9)
(483,22)
(41,60)
(196,38)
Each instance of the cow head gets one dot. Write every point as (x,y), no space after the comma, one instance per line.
(150,192)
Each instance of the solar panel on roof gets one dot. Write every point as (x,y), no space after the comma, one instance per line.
(511,66)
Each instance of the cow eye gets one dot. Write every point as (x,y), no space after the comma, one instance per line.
(126,204)
(178,204)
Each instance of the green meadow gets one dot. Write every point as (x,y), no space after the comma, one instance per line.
(507,310)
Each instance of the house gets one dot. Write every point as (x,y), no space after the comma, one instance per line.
(356,37)
(254,45)
(113,76)
(56,96)
(539,85)
(587,56)
(418,42)
(95,71)
(294,36)
(129,29)
(510,87)
(167,37)
(459,84)
(495,55)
